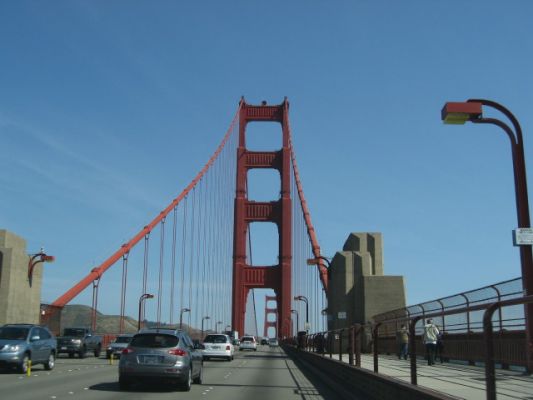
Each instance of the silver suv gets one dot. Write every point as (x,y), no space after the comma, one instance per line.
(20,343)
(161,354)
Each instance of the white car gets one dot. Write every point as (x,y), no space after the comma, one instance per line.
(218,345)
(273,342)
(248,343)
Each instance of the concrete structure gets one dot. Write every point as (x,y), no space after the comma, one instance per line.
(358,288)
(18,301)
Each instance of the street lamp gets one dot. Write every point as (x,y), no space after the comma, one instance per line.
(303,298)
(204,318)
(40,257)
(471,110)
(183,310)
(141,300)
(297,319)
(218,323)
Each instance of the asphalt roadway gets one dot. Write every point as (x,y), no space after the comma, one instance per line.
(267,374)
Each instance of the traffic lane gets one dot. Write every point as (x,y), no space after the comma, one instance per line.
(85,379)
(267,374)
(69,377)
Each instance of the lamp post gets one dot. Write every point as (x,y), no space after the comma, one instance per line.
(40,257)
(218,323)
(297,320)
(183,310)
(471,110)
(303,298)
(203,319)
(141,300)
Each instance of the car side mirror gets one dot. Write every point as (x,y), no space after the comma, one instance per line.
(35,338)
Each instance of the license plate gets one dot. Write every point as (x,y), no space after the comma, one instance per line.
(216,347)
(150,359)
(63,348)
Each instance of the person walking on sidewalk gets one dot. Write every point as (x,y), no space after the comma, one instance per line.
(402,339)
(431,333)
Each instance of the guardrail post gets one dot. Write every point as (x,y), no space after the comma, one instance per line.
(351,343)
(490,374)
(358,331)
(375,340)
(331,337)
(341,332)
(412,348)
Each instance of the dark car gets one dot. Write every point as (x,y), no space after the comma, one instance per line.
(161,355)
(22,343)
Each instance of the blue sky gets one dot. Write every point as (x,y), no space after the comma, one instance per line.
(109,108)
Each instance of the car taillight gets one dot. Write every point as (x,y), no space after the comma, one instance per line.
(177,352)
(127,350)
(228,348)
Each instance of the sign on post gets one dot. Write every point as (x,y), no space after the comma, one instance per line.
(523,237)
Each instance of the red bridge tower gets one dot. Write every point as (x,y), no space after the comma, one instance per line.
(277,277)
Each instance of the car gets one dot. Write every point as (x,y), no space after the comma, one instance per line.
(273,342)
(161,355)
(264,341)
(116,346)
(218,345)
(248,343)
(21,344)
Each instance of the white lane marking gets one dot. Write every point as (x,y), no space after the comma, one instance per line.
(70,392)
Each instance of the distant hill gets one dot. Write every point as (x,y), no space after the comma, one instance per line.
(78,315)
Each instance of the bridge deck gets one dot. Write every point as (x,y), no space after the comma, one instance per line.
(461,381)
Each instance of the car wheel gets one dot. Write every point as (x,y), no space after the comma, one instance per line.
(123,383)
(81,353)
(97,352)
(206,358)
(23,366)
(200,378)
(70,355)
(49,365)
(186,385)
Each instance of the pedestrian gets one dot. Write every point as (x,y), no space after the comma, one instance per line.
(431,333)
(402,339)
(439,347)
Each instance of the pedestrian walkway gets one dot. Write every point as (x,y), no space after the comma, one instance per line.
(461,381)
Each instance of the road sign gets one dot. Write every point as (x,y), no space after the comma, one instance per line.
(523,237)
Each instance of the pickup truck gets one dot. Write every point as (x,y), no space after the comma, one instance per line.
(79,341)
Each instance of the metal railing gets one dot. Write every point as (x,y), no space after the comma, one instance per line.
(491,344)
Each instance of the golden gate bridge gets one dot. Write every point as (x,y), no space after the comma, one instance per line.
(196,256)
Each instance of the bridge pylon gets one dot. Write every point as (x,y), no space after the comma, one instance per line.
(277,277)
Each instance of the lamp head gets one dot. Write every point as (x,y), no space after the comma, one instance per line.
(457,113)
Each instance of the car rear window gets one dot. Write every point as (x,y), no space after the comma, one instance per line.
(74,332)
(216,339)
(154,340)
(247,339)
(13,333)
(123,339)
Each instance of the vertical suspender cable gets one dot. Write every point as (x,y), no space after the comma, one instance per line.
(183,254)
(123,292)
(145,272)
(173,263)
(161,255)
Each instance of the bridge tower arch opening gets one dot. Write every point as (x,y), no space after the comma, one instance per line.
(277,211)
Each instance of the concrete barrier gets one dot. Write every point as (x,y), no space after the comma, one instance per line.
(352,382)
